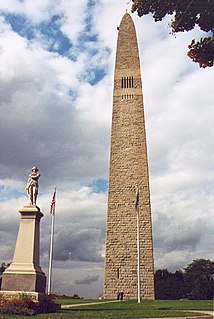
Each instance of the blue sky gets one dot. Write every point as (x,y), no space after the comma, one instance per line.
(50,30)
(56,82)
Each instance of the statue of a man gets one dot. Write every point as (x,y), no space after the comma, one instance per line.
(33,185)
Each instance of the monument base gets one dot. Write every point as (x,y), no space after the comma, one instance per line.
(24,282)
(25,273)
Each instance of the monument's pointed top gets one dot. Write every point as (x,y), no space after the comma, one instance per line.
(126,14)
(127,48)
(126,19)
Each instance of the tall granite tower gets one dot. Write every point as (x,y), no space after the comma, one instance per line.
(128,172)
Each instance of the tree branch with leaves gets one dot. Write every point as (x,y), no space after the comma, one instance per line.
(186,15)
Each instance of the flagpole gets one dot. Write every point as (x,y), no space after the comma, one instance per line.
(138,257)
(138,245)
(51,242)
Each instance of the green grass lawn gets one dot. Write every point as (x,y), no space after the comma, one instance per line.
(125,309)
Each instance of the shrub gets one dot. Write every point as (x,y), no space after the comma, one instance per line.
(19,305)
(47,305)
(23,304)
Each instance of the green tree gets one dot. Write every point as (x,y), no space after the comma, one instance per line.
(186,15)
(169,285)
(2,269)
(199,278)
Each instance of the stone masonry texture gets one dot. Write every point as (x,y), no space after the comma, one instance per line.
(128,170)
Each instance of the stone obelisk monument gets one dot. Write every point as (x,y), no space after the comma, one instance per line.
(128,172)
(25,273)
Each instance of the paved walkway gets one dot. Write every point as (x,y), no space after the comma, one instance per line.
(87,304)
(206,312)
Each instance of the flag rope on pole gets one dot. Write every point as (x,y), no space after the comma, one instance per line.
(138,244)
(52,212)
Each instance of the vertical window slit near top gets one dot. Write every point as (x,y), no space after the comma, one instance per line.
(118,273)
(127,82)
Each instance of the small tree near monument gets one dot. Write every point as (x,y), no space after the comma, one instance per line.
(169,286)
(199,278)
(196,281)
(3,267)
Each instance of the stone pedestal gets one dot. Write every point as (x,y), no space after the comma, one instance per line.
(25,273)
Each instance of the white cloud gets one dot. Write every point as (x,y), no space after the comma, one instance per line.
(36,11)
(74,18)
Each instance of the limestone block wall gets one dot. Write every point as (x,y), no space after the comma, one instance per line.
(128,168)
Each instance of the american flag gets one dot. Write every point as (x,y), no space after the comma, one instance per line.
(137,200)
(53,202)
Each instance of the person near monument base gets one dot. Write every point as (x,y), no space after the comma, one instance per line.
(33,185)
(120,295)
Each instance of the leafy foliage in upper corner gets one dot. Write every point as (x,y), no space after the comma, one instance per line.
(202,51)
(187,14)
